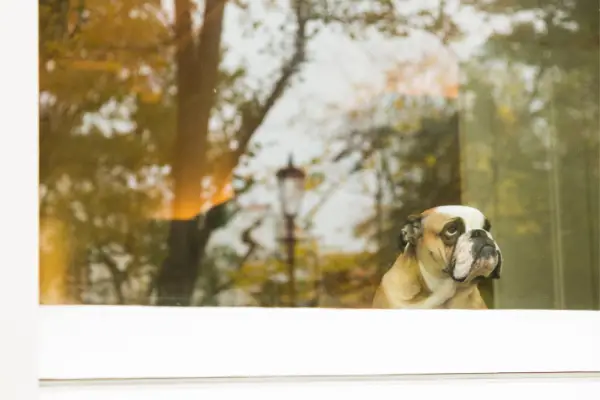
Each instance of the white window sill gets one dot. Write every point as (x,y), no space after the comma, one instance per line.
(90,342)
(489,388)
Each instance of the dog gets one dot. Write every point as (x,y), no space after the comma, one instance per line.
(445,252)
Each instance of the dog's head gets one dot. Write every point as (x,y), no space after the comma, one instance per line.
(453,240)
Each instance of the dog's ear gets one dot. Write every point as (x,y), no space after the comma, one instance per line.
(487,225)
(411,231)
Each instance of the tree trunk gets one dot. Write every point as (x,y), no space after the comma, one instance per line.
(196,79)
(197,69)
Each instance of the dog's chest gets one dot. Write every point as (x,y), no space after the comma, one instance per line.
(441,288)
(433,283)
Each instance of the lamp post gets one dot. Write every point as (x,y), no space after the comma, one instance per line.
(290,182)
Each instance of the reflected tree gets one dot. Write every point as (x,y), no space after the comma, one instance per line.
(142,126)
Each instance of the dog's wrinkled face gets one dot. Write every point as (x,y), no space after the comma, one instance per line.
(454,240)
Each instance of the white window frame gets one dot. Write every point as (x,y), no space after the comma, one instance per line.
(88,342)
(119,342)
(19,200)
(548,387)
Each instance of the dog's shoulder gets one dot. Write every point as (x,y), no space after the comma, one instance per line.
(380,300)
(401,285)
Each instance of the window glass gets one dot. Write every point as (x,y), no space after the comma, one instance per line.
(270,152)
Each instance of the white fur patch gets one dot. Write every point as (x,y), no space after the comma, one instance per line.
(442,294)
(472,217)
(432,282)
(463,257)
(442,289)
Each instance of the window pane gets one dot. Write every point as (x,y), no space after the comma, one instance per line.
(164,126)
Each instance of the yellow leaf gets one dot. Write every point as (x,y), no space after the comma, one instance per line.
(399,103)
(430,160)
(527,227)
(91,65)
(314,180)
(150,97)
(506,114)
(54,260)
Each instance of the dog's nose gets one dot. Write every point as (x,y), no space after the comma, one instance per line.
(487,252)
(478,233)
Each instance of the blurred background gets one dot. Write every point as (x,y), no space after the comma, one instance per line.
(266,152)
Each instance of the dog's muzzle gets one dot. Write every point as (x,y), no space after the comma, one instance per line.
(476,256)
(488,251)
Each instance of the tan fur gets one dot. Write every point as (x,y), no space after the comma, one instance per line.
(403,287)
(404,284)
(468,298)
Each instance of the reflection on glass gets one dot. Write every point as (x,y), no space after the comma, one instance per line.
(291,181)
(163,125)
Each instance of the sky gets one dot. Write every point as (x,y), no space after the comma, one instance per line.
(301,122)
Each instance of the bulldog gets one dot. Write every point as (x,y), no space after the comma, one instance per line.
(445,252)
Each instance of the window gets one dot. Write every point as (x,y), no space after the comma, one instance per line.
(206,155)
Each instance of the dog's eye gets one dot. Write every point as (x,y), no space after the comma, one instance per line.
(451,231)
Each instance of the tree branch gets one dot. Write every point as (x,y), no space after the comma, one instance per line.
(252,246)
(251,243)
(118,276)
(254,112)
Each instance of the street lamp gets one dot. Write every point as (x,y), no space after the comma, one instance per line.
(290,182)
